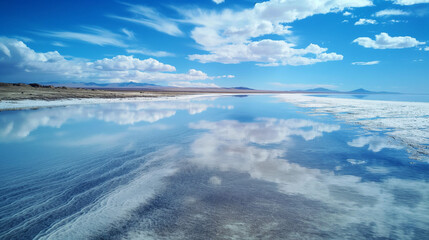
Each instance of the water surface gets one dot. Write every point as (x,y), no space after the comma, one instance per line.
(208,168)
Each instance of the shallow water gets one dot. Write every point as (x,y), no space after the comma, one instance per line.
(207,168)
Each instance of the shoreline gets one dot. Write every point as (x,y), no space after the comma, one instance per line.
(32,96)
(27,104)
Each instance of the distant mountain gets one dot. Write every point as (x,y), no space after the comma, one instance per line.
(154,87)
(134,85)
(361,91)
(242,88)
(321,90)
(356,91)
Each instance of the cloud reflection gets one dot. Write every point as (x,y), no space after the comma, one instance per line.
(243,147)
(19,125)
(375,143)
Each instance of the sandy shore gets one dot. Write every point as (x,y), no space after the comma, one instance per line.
(26,92)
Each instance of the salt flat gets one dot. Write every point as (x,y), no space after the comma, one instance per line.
(407,122)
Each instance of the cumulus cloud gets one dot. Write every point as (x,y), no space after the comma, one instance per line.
(264,18)
(151,18)
(17,59)
(121,63)
(227,35)
(366,63)
(364,21)
(268,53)
(391,12)
(218,1)
(384,41)
(409,2)
(21,63)
(347,13)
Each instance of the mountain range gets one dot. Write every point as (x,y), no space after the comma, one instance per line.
(148,86)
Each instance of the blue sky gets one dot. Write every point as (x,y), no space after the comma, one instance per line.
(281,45)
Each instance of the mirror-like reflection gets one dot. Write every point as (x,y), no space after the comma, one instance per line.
(15,126)
(240,168)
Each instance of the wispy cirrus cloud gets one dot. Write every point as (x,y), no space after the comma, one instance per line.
(151,18)
(130,34)
(366,63)
(391,12)
(150,52)
(218,1)
(384,41)
(93,35)
(409,2)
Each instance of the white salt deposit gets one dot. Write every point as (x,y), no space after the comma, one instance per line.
(407,122)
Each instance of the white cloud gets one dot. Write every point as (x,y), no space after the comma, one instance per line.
(396,21)
(58,44)
(356,162)
(268,53)
(21,63)
(16,58)
(193,84)
(264,18)
(130,34)
(346,13)
(409,2)
(227,35)
(366,63)
(364,21)
(384,41)
(121,63)
(218,1)
(426,49)
(150,53)
(391,12)
(91,35)
(151,18)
